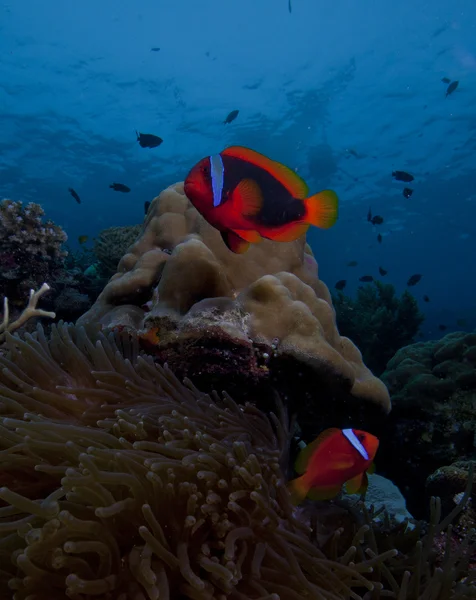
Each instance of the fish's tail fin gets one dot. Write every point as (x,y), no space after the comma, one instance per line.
(298,489)
(322,209)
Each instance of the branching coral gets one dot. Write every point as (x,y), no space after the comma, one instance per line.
(31,249)
(31,311)
(378,321)
(120,482)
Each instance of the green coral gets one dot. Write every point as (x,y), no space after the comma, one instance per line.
(378,321)
(433,420)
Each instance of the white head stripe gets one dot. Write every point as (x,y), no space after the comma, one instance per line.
(217,172)
(353,439)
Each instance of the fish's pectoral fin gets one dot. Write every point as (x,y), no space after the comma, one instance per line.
(298,489)
(249,235)
(358,484)
(322,209)
(371,470)
(247,198)
(234,242)
(342,461)
(288,233)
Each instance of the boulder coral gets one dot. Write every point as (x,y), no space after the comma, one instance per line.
(255,321)
(433,421)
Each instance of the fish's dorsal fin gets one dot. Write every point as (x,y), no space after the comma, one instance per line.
(234,242)
(286,176)
(247,198)
(305,454)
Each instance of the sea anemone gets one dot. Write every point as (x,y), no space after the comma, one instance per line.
(120,482)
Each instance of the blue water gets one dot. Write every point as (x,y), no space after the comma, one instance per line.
(344,92)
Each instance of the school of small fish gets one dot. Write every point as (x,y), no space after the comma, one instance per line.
(247,196)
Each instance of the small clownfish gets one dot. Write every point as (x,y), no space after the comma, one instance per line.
(335,458)
(248,197)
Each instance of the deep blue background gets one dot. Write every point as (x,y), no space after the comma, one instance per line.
(344,92)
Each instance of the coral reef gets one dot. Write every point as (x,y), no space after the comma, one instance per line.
(450,484)
(433,387)
(250,323)
(378,321)
(121,482)
(31,250)
(71,303)
(111,245)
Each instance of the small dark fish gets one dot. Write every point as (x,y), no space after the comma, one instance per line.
(426,298)
(377,220)
(82,239)
(382,271)
(366,278)
(407,192)
(146,206)
(289,7)
(445,80)
(75,195)
(440,30)
(379,238)
(402,176)
(414,279)
(155,49)
(451,88)
(442,327)
(340,285)
(369,215)
(148,140)
(120,187)
(231,117)
(352,263)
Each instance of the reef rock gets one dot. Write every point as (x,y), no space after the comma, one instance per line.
(251,323)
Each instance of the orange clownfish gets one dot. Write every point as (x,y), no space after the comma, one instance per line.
(335,458)
(247,197)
